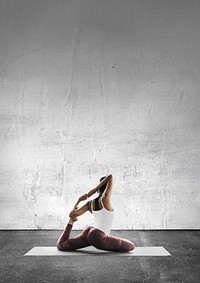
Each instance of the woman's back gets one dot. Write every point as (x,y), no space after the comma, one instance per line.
(103,218)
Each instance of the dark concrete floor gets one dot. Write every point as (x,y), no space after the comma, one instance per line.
(182,266)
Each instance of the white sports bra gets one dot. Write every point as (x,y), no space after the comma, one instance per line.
(103,218)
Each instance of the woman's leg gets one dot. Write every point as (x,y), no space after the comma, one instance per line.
(102,241)
(65,243)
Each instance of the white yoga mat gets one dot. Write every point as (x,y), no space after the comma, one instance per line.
(138,251)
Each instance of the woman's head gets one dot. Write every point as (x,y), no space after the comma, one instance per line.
(102,188)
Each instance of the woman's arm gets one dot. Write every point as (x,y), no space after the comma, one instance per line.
(103,182)
(83,197)
(80,211)
(91,192)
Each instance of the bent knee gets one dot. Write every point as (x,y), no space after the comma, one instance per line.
(131,246)
(128,247)
(59,247)
(64,247)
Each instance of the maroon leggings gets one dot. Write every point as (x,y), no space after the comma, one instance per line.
(91,236)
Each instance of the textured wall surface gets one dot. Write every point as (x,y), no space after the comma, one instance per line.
(89,88)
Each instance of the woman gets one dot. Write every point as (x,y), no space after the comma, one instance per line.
(98,234)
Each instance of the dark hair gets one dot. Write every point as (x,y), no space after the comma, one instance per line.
(102,188)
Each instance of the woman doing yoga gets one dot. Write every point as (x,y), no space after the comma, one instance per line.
(97,235)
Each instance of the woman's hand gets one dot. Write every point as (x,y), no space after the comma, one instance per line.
(72,216)
(83,197)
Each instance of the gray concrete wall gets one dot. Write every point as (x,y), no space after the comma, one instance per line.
(89,88)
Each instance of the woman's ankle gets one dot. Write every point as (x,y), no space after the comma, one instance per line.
(71,221)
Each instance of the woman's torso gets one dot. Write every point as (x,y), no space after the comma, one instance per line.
(103,213)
